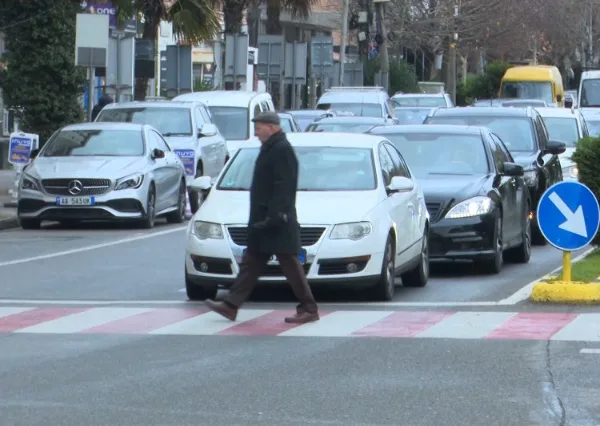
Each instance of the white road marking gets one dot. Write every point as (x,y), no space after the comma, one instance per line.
(94,247)
(209,323)
(525,292)
(585,327)
(337,324)
(590,351)
(181,290)
(75,323)
(5,312)
(467,325)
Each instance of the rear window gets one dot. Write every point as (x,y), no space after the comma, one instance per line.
(515,132)
(358,109)
(168,121)
(423,101)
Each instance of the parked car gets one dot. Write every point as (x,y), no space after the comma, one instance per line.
(362,218)
(103,171)
(345,124)
(523,132)
(475,193)
(568,126)
(288,123)
(187,127)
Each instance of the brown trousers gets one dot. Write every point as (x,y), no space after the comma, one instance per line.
(250,270)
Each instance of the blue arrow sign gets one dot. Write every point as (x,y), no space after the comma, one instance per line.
(568,215)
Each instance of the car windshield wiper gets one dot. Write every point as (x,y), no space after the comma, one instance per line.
(176,134)
(233,188)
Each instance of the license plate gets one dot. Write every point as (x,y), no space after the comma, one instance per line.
(273,261)
(75,201)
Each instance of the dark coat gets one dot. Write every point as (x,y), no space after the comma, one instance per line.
(273,199)
(104,100)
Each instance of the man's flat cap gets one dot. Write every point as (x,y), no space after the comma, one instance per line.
(268,117)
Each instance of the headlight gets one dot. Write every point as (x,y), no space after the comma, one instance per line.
(207,230)
(130,182)
(570,172)
(30,183)
(531,178)
(351,231)
(472,207)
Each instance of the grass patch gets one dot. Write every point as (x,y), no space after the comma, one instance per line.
(586,270)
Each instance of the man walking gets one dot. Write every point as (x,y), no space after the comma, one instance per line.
(273,226)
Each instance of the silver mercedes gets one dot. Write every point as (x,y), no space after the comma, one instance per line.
(103,171)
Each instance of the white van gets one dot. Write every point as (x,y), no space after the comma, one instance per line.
(588,97)
(232,111)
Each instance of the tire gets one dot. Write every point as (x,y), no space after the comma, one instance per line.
(150,218)
(195,292)
(178,216)
(522,253)
(385,288)
(194,195)
(493,265)
(418,276)
(30,224)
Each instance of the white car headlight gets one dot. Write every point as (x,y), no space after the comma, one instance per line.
(351,231)
(531,178)
(30,183)
(475,206)
(570,172)
(207,230)
(130,182)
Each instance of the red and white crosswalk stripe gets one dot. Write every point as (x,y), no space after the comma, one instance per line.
(187,321)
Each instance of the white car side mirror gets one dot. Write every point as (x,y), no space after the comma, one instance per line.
(401,184)
(201,183)
(207,130)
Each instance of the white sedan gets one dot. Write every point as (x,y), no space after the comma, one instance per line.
(362,216)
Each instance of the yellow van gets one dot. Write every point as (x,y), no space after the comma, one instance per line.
(533,82)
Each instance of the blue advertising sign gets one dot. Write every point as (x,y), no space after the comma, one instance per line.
(19,150)
(568,215)
(188,157)
(106,7)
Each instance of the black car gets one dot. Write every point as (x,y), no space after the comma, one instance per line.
(523,132)
(476,196)
(345,124)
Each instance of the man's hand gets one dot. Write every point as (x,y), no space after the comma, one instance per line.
(270,222)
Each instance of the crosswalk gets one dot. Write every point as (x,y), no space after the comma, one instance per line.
(190,321)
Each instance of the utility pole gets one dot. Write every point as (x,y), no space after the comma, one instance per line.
(344,36)
(591,37)
(383,47)
(452,58)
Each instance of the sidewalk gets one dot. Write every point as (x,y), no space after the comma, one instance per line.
(8,215)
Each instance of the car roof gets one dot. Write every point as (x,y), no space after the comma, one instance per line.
(342,140)
(352,119)
(105,126)
(151,104)
(493,111)
(429,128)
(420,95)
(231,98)
(556,112)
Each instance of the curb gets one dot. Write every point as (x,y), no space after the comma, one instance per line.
(11,222)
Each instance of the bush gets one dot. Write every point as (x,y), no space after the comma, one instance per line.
(403,77)
(587,158)
(484,86)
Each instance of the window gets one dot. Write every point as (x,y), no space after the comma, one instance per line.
(590,93)
(205,114)
(563,129)
(233,122)
(419,101)
(528,90)
(265,106)
(347,127)
(387,165)
(498,155)
(168,121)
(286,124)
(400,168)
(91,143)
(198,117)
(319,169)
(441,154)
(160,142)
(542,133)
(359,109)
(502,147)
(256,110)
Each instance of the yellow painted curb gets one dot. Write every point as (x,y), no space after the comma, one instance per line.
(565,292)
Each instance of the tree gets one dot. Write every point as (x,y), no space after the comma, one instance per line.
(41,76)
(193,22)
(298,9)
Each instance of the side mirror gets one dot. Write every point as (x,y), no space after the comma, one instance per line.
(207,130)
(512,169)
(568,103)
(555,147)
(157,153)
(201,183)
(400,184)
(34,153)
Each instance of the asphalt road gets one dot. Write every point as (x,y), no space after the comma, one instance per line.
(73,353)
(143,268)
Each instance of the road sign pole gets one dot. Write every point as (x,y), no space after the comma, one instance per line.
(566,275)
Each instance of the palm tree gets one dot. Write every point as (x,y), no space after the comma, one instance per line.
(193,22)
(298,8)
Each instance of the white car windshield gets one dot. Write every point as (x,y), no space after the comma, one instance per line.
(358,109)
(168,121)
(320,169)
(233,122)
(419,101)
(515,132)
(441,154)
(593,127)
(562,130)
(90,143)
